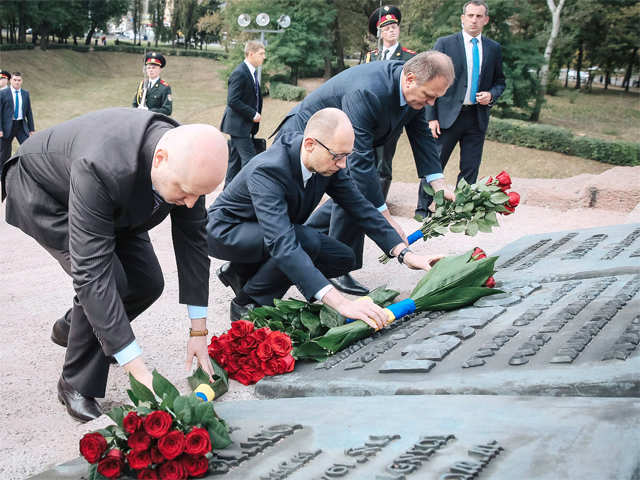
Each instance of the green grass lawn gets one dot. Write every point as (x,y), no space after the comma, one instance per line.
(64,84)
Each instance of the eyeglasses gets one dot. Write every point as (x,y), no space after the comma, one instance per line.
(336,156)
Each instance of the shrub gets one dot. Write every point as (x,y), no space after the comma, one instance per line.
(290,93)
(561,140)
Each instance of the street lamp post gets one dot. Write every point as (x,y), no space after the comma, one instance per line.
(262,20)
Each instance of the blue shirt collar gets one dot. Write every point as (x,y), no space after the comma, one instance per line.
(403,102)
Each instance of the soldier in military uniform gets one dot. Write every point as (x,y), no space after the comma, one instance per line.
(4,79)
(158,97)
(387,20)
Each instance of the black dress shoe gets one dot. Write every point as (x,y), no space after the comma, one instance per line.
(236,311)
(348,284)
(79,406)
(230,278)
(60,332)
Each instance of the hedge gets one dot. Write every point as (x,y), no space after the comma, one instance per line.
(124,48)
(283,91)
(561,140)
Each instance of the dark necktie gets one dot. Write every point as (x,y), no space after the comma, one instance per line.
(475,72)
(385,55)
(256,87)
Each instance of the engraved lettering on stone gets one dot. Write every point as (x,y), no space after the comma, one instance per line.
(547,251)
(628,240)
(412,459)
(284,469)
(585,247)
(371,448)
(527,251)
(469,469)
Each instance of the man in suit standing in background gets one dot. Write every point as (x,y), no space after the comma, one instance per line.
(258,222)
(5,76)
(158,92)
(241,118)
(88,191)
(17,117)
(462,114)
(380,99)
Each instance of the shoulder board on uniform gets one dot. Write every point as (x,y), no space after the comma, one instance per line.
(164,83)
(407,50)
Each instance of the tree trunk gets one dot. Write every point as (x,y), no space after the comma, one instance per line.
(555,28)
(339,44)
(87,41)
(566,76)
(627,75)
(607,79)
(22,29)
(579,67)
(327,67)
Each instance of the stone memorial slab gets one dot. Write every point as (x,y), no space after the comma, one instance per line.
(423,437)
(572,337)
(599,251)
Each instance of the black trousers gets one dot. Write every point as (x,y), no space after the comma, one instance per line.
(243,245)
(466,131)
(16,131)
(140,283)
(241,150)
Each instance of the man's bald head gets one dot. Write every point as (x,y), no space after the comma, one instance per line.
(328,139)
(189,161)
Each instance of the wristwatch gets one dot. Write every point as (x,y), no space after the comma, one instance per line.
(401,255)
(198,333)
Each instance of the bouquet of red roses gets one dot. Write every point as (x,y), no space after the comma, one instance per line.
(168,437)
(475,209)
(248,354)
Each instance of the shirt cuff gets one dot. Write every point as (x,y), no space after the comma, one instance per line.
(433,176)
(382,207)
(128,353)
(197,312)
(322,292)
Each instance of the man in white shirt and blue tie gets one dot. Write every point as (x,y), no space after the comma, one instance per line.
(17,117)
(462,114)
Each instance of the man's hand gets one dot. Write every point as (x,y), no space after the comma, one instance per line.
(142,107)
(197,347)
(434,126)
(0,133)
(386,214)
(362,309)
(483,98)
(257,117)
(140,372)
(421,262)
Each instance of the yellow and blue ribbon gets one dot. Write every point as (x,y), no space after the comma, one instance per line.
(395,310)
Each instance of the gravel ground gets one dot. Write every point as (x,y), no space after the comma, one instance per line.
(36,430)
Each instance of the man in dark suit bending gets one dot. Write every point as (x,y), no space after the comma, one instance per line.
(462,114)
(380,98)
(88,190)
(257,223)
(241,118)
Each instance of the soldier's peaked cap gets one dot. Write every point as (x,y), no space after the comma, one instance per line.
(154,58)
(384,16)
(5,74)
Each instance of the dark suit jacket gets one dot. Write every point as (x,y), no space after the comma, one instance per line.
(237,120)
(269,190)
(7,103)
(447,107)
(370,96)
(79,185)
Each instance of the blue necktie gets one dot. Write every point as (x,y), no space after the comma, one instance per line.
(256,86)
(475,72)
(16,110)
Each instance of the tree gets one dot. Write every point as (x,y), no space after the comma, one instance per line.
(157,18)
(102,11)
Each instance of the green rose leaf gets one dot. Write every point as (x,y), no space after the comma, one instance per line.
(468,207)
(439,197)
(428,189)
(472,229)
(309,351)
(330,318)
(492,218)
(133,398)
(164,388)
(141,392)
(484,226)
(458,227)
(289,306)
(117,415)
(499,197)
(311,323)
(219,434)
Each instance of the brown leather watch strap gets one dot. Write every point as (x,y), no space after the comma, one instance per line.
(198,333)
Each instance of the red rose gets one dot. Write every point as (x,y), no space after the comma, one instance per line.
(478,254)
(280,343)
(214,346)
(264,351)
(195,465)
(132,422)
(504,180)
(280,365)
(240,328)
(248,375)
(139,441)
(138,460)
(173,470)
(157,423)
(489,181)
(261,333)
(111,465)
(512,203)
(490,283)
(92,446)
(232,365)
(197,441)
(171,445)
(246,345)
(254,360)
(269,366)
(156,456)
(147,474)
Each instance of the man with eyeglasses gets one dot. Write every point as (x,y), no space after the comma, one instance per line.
(257,223)
(380,99)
